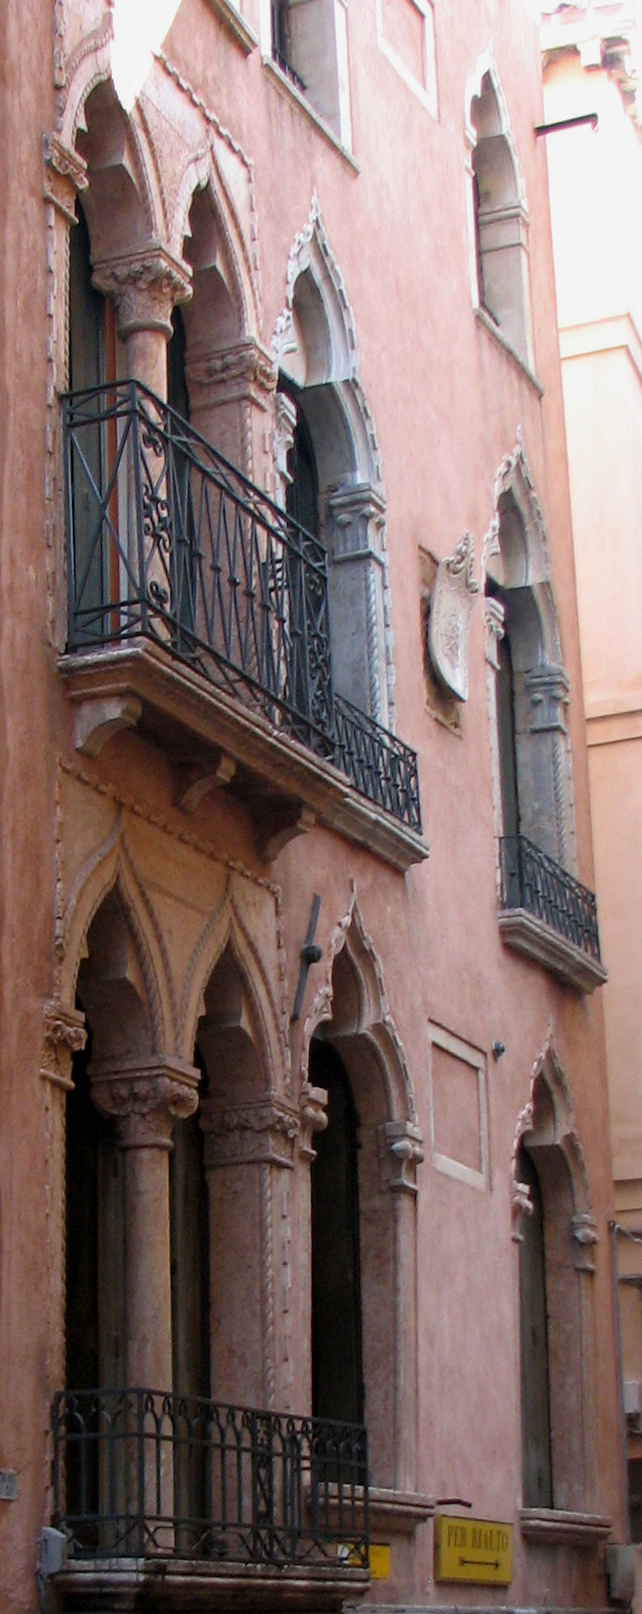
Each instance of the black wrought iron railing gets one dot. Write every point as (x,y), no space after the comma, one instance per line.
(168,540)
(534,881)
(379,764)
(138,1471)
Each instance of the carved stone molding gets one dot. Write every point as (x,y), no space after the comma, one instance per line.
(494,620)
(313,1117)
(451,609)
(145,1099)
(65,174)
(521,1205)
(356,518)
(282,443)
(249,1134)
(584,1231)
(145,286)
(401,1153)
(548,691)
(244,371)
(64,1035)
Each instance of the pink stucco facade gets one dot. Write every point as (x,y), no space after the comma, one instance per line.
(378,276)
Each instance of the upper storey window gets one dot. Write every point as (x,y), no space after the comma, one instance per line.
(499,218)
(308,40)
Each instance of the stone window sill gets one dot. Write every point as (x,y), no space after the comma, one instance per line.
(530,936)
(496,332)
(390,1512)
(556,1527)
(289,90)
(118,1584)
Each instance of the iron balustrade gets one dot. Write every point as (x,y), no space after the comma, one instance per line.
(534,881)
(139,1471)
(380,765)
(168,540)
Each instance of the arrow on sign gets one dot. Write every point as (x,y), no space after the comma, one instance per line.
(479,1563)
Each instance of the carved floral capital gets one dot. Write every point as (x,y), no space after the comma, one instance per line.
(145,286)
(247,1134)
(65,174)
(64,1035)
(245,370)
(145,1100)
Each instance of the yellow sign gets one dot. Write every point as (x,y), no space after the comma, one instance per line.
(473,1549)
(378,1559)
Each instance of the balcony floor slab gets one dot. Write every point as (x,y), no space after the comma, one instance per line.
(162,695)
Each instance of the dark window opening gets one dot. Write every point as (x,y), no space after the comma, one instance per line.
(536,1422)
(337,1369)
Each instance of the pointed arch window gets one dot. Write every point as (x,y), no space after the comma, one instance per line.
(500,219)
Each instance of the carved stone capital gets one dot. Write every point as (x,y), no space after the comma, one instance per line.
(145,1099)
(451,609)
(313,1117)
(521,1205)
(356,516)
(401,1153)
(64,1035)
(547,689)
(244,371)
(145,286)
(494,624)
(584,1231)
(65,174)
(247,1134)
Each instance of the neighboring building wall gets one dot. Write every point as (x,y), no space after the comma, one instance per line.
(311,295)
(592,65)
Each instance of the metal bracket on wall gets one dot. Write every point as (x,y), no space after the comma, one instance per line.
(310,954)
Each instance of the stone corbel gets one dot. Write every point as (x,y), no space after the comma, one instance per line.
(145,1099)
(584,1231)
(548,691)
(313,1116)
(249,1134)
(97,720)
(65,174)
(401,1153)
(278,823)
(145,286)
(64,1035)
(194,783)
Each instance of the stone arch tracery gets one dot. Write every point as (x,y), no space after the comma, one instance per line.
(315,349)
(498,214)
(530,693)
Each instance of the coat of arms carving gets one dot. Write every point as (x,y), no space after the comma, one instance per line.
(451,608)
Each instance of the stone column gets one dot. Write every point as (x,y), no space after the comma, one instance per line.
(403,1153)
(248,1156)
(541,702)
(144,286)
(230,391)
(145,1102)
(354,520)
